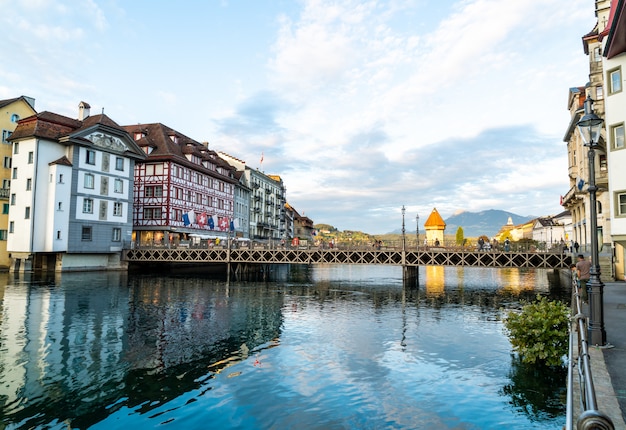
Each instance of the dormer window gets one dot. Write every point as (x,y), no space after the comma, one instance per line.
(174,138)
(139,135)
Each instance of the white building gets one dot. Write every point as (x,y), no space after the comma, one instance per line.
(614,52)
(71,192)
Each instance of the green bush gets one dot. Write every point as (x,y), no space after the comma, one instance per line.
(540,332)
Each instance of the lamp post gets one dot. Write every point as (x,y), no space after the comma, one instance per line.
(417,231)
(589,127)
(403,231)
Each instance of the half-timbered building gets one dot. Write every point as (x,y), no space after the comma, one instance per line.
(184,192)
(71,192)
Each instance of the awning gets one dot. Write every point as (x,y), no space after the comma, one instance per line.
(203,236)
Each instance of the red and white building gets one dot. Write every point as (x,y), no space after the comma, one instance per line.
(183,190)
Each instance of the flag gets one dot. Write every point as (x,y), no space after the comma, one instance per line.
(186,219)
(261,158)
(211,222)
(232,225)
(580,184)
(236,222)
(223,223)
(201,219)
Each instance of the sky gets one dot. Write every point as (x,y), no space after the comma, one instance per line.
(362,107)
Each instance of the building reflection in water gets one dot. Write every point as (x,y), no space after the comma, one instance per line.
(74,344)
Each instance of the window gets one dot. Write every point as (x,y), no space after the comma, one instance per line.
(88,206)
(3,235)
(599,93)
(11,227)
(61,178)
(603,163)
(117,209)
(58,234)
(86,234)
(7,162)
(597,54)
(29,184)
(31,157)
(15,173)
(615,81)
(117,235)
(60,206)
(621,203)
(15,117)
(89,181)
(5,208)
(119,164)
(16,147)
(618,136)
(5,135)
(6,184)
(151,213)
(154,191)
(27,212)
(91,157)
(13,197)
(118,186)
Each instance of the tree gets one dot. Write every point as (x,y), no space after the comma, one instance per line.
(460,236)
(540,332)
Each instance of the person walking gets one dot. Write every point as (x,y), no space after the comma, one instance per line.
(583,270)
(576,246)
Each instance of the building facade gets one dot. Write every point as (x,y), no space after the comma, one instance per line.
(11,111)
(614,64)
(267,202)
(71,192)
(184,192)
(576,200)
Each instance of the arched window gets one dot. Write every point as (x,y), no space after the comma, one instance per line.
(15,117)
(599,207)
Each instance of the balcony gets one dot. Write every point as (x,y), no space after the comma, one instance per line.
(4,193)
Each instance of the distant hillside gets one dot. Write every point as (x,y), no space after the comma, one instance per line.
(486,223)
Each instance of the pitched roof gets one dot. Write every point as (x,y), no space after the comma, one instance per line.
(435,220)
(52,126)
(46,125)
(29,100)
(169,144)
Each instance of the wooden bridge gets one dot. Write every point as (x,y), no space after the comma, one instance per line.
(395,257)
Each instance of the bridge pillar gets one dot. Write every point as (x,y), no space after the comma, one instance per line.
(410,275)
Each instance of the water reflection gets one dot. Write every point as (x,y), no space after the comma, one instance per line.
(83,349)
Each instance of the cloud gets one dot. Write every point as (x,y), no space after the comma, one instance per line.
(360,106)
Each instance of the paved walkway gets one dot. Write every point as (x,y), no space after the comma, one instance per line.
(609,364)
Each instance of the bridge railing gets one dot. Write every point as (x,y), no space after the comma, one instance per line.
(344,246)
(578,361)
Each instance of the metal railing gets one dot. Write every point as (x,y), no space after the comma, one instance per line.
(590,417)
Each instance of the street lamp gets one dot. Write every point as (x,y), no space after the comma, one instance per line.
(403,230)
(417,231)
(589,127)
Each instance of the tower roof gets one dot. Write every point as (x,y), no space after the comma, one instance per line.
(435,221)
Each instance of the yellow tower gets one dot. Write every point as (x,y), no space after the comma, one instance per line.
(435,228)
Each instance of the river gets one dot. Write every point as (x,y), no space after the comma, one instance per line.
(329,347)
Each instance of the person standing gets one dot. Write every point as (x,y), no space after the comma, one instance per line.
(583,270)
(576,246)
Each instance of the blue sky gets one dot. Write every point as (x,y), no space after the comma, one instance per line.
(360,106)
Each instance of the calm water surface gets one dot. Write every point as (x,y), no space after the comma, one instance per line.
(344,347)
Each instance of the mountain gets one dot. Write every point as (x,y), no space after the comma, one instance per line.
(486,223)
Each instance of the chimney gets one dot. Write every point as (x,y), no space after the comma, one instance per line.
(83,110)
